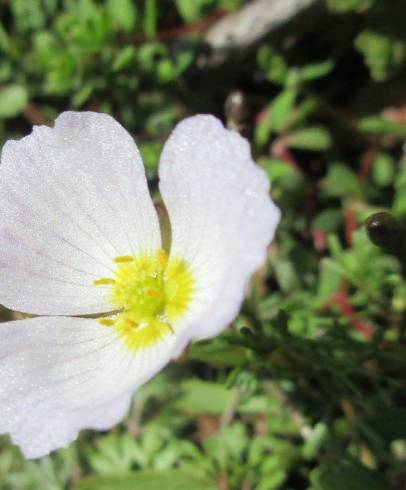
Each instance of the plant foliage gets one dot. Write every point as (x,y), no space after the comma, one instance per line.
(307,388)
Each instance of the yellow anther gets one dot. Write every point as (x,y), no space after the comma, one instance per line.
(162,257)
(153,293)
(150,292)
(123,258)
(104,281)
(108,322)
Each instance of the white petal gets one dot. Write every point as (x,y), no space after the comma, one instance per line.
(221,215)
(71,199)
(60,375)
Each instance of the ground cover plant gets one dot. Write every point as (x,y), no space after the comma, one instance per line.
(306,389)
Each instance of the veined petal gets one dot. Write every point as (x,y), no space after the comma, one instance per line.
(72,198)
(221,216)
(60,375)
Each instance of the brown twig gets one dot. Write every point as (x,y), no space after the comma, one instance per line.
(33,114)
(297,418)
(367,162)
(319,240)
(244,28)
(230,410)
(178,32)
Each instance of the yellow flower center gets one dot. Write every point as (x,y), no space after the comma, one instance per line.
(151,292)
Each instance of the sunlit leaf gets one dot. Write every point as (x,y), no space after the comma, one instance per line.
(13,100)
(148,480)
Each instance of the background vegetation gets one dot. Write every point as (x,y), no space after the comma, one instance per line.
(307,388)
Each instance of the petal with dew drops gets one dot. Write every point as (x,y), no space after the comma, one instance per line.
(59,375)
(221,216)
(72,198)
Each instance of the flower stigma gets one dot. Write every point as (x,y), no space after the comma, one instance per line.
(151,292)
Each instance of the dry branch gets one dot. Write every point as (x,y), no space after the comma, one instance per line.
(238,32)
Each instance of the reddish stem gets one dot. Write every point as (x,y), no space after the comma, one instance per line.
(319,240)
(177,32)
(33,114)
(342,301)
(280,150)
(366,164)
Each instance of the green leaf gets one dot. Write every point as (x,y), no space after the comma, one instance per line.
(341,181)
(4,39)
(150,18)
(286,275)
(279,169)
(148,480)
(166,71)
(204,397)
(83,94)
(346,475)
(316,70)
(330,279)
(199,397)
(6,71)
(191,11)
(123,58)
(117,453)
(272,482)
(13,100)
(277,116)
(148,53)
(315,138)
(123,13)
(227,355)
(281,108)
(328,220)
(343,6)
(27,15)
(315,441)
(382,52)
(381,125)
(86,9)
(273,64)
(227,445)
(383,170)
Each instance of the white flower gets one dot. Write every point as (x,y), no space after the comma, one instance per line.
(79,235)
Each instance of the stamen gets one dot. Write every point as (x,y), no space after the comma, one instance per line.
(108,322)
(150,292)
(153,293)
(123,258)
(162,257)
(104,281)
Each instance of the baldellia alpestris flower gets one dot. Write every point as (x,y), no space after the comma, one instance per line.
(79,236)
